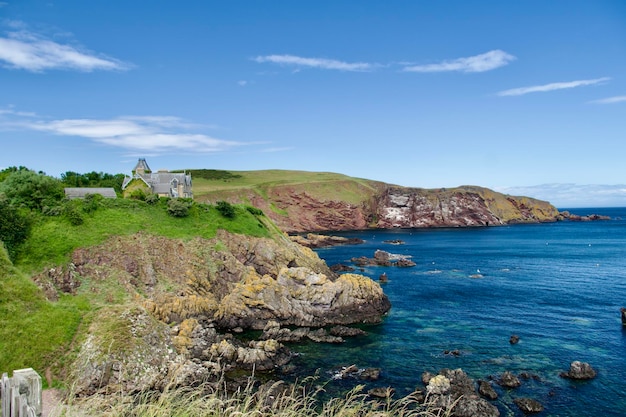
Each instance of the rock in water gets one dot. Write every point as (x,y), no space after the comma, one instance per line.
(528,405)
(579,370)
(508,380)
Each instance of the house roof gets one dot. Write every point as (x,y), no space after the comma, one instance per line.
(82,192)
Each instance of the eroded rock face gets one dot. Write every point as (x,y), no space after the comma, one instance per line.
(300,297)
(389,206)
(126,350)
(187,297)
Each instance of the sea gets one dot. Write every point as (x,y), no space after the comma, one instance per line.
(557,286)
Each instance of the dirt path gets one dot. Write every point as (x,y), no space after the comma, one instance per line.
(50,398)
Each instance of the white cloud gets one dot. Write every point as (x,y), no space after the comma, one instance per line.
(610,100)
(242,83)
(573,195)
(551,87)
(140,133)
(31,52)
(478,63)
(322,63)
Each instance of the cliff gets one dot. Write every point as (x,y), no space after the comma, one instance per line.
(167,306)
(300,202)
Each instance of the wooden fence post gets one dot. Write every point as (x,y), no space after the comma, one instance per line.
(21,394)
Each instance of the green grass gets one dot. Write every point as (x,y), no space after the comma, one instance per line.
(53,238)
(324,186)
(34,332)
(38,333)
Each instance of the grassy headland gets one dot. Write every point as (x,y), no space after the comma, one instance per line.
(39,333)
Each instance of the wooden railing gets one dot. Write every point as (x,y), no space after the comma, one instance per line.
(21,394)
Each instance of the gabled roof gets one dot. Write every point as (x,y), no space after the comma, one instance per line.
(72,193)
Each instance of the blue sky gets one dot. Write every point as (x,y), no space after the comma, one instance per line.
(523,97)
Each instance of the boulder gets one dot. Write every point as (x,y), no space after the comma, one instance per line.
(486,390)
(381,392)
(508,380)
(455,393)
(579,370)
(370,374)
(528,405)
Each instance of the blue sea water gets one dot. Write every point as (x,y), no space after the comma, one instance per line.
(558,286)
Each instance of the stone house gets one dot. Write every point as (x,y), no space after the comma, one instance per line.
(163,183)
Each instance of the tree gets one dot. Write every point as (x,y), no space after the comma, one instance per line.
(25,188)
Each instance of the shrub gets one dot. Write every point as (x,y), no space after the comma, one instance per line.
(73,211)
(254,210)
(152,199)
(14,226)
(32,190)
(138,194)
(226,209)
(178,208)
(91,202)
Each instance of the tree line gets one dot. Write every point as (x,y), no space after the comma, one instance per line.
(25,193)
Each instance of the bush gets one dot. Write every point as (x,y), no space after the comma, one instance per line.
(14,226)
(178,208)
(29,189)
(91,202)
(138,194)
(152,199)
(73,212)
(226,209)
(254,211)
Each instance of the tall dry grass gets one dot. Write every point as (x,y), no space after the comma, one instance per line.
(275,400)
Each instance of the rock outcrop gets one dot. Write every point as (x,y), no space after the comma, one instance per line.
(170,305)
(353,204)
(455,393)
(579,370)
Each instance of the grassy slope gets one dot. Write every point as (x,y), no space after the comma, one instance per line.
(324,186)
(321,185)
(37,333)
(34,333)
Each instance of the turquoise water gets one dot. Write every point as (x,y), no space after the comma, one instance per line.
(558,286)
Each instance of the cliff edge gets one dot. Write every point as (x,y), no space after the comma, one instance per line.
(307,202)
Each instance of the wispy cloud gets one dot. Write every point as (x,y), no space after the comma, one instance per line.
(551,87)
(320,63)
(156,134)
(610,100)
(477,63)
(31,52)
(573,195)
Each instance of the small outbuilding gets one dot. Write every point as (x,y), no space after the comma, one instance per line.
(73,193)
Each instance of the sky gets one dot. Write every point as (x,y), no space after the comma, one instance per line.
(524,97)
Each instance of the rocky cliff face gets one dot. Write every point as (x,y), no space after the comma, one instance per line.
(168,305)
(297,209)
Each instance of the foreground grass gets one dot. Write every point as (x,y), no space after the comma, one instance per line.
(275,400)
(34,332)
